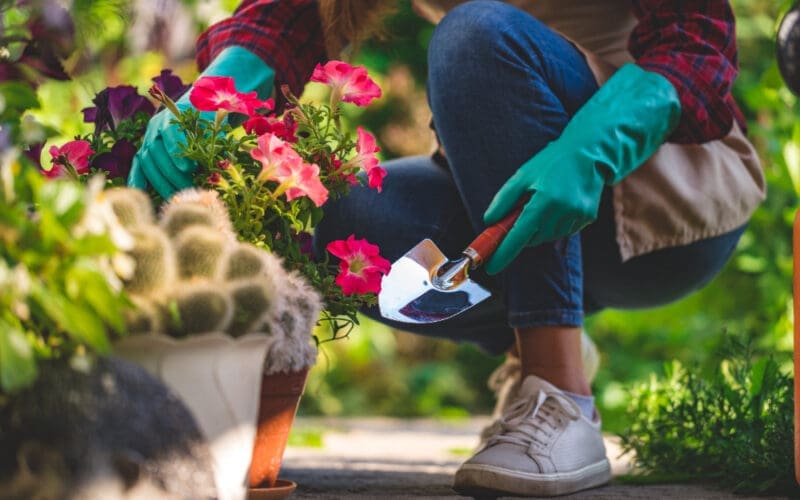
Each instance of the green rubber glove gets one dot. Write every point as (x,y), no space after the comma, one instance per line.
(613,133)
(159,161)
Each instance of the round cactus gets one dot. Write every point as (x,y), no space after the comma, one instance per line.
(132,207)
(146,317)
(252,300)
(153,260)
(201,307)
(198,251)
(190,203)
(176,218)
(243,261)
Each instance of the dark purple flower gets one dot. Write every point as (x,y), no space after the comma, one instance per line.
(53,26)
(306,243)
(171,84)
(34,154)
(11,71)
(117,162)
(52,39)
(115,104)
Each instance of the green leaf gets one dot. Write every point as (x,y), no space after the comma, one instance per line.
(64,198)
(19,97)
(74,318)
(757,376)
(94,290)
(17,364)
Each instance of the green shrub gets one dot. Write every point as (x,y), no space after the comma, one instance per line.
(733,427)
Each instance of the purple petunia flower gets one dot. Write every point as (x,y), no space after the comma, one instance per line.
(171,84)
(117,162)
(306,242)
(115,104)
(34,154)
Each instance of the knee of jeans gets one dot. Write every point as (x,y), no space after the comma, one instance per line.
(474,31)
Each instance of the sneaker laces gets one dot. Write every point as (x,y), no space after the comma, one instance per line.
(510,368)
(534,421)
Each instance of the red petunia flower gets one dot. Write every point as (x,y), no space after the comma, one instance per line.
(73,153)
(361,268)
(284,128)
(212,93)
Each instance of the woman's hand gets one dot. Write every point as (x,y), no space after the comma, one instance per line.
(617,130)
(159,161)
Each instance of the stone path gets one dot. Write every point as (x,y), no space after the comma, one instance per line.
(391,458)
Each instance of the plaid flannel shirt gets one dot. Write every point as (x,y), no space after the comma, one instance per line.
(690,42)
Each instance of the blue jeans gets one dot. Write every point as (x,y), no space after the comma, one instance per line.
(501,86)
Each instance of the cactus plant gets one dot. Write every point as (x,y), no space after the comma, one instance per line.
(191,276)
(132,208)
(195,206)
(153,260)
(218,285)
(202,307)
(251,299)
(198,251)
(146,317)
(244,261)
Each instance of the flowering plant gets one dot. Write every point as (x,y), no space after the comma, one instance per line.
(274,173)
(277,174)
(120,115)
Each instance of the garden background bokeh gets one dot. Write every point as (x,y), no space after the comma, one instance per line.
(379,371)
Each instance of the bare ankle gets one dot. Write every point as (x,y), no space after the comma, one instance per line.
(554,354)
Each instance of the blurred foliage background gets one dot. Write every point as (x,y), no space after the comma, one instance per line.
(380,371)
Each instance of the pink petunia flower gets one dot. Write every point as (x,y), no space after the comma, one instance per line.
(361,268)
(281,163)
(366,148)
(212,93)
(73,153)
(350,83)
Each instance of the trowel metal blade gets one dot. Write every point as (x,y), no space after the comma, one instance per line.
(408,295)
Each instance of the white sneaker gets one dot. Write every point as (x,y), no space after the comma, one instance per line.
(507,378)
(541,446)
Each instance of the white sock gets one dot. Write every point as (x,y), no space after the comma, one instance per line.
(585,403)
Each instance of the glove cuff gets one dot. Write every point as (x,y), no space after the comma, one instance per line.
(626,120)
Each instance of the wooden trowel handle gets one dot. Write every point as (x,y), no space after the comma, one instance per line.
(484,245)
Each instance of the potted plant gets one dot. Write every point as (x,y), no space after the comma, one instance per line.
(209,311)
(271,176)
(62,399)
(274,181)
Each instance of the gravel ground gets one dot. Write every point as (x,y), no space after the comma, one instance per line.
(394,458)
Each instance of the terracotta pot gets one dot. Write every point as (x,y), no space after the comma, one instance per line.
(218,378)
(280,395)
(282,489)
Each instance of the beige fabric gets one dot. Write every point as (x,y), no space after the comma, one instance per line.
(684,193)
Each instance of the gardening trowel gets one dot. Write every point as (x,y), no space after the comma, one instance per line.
(424,286)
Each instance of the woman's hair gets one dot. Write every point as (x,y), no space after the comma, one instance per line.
(351,21)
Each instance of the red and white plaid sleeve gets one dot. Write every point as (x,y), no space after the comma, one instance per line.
(693,44)
(286,34)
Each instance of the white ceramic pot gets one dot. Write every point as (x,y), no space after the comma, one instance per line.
(218,377)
